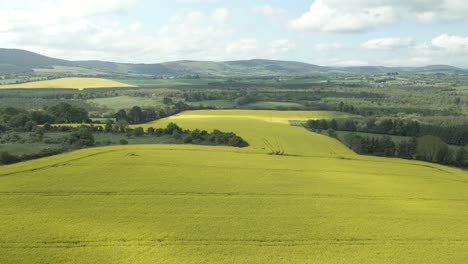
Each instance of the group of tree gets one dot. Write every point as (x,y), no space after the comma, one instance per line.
(83,136)
(197,136)
(22,120)
(138,115)
(370,110)
(450,134)
(425,148)
(7,158)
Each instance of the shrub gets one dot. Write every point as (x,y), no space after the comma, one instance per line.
(7,158)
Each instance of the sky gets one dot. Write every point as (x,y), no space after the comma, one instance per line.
(323,32)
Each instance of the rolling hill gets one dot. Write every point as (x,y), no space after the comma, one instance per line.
(21,61)
(319,203)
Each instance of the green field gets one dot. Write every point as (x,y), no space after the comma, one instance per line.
(273,105)
(319,203)
(75,83)
(142,82)
(120,102)
(213,103)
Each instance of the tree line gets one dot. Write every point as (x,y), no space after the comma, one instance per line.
(450,134)
(138,115)
(83,137)
(428,148)
(22,120)
(424,148)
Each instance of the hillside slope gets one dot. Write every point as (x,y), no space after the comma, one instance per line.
(195,204)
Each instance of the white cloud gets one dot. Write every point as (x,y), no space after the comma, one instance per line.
(389,43)
(90,35)
(271,11)
(281,46)
(326,17)
(97,33)
(197,1)
(451,44)
(349,63)
(221,15)
(327,47)
(363,15)
(443,49)
(243,49)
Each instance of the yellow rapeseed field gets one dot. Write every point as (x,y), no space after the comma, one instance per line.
(320,203)
(74,83)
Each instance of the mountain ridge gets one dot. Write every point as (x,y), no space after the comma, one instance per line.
(23,61)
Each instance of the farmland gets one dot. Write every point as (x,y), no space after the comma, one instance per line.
(317,203)
(75,83)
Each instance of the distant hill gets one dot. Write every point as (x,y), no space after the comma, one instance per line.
(22,61)
(16,60)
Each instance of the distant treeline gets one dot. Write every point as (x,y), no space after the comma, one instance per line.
(65,113)
(425,147)
(138,115)
(450,134)
(22,120)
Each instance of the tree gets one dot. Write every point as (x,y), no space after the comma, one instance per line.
(167,101)
(108,127)
(334,124)
(81,137)
(356,143)
(332,133)
(188,139)
(431,149)
(121,115)
(388,146)
(135,115)
(66,113)
(350,125)
(236,141)
(406,149)
(173,128)
(7,158)
(19,121)
(460,157)
(138,131)
(120,126)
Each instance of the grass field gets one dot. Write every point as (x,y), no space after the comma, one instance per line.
(75,83)
(321,203)
(273,105)
(140,82)
(213,103)
(122,102)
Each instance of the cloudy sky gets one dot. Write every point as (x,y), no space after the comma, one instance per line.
(325,32)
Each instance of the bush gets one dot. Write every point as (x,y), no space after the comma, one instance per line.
(138,132)
(188,139)
(81,137)
(123,142)
(7,158)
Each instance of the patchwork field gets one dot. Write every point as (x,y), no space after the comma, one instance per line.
(120,102)
(319,203)
(75,83)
